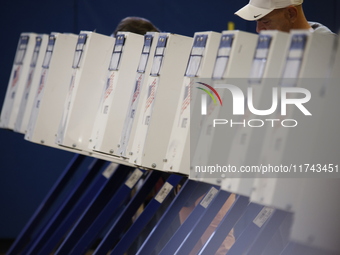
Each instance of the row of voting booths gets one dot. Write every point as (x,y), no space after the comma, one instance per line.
(240,129)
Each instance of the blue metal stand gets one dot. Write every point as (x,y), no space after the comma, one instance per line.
(225,226)
(280,238)
(26,234)
(171,213)
(106,214)
(264,237)
(125,216)
(265,217)
(195,216)
(202,224)
(146,215)
(93,210)
(288,250)
(65,208)
(73,215)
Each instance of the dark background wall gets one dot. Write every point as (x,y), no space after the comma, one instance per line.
(28,170)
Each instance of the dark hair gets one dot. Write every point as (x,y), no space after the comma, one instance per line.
(135,25)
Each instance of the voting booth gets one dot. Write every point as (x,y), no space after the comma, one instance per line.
(319,195)
(233,63)
(50,95)
(180,117)
(265,73)
(120,78)
(139,90)
(17,81)
(200,64)
(305,68)
(90,61)
(158,105)
(31,84)
(326,139)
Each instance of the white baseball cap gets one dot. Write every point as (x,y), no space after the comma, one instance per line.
(257,9)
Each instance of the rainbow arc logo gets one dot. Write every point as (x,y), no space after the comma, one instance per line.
(211,92)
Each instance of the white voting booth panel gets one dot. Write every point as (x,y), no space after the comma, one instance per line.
(114,100)
(16,84)
(326,149)
(316,220)
(49,99)
(31,84)
(200,64)
(139,91)
(90,61)
(233,63)
(307,66)
(159,104)
(267,67)
(50,95)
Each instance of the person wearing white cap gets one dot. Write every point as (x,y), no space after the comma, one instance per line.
(282,15)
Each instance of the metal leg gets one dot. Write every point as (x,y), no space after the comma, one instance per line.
(189,223)
(146,216)
(26,234)
(203,223)
(266,233)
(107,213)
(164,223)
(64,209)
(260,220)
(226,225)
(74,214)
(125,216)
(280,238)
(97,204)
(288,250)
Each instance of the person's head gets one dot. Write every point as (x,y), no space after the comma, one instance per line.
(282,15)
(136,25)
